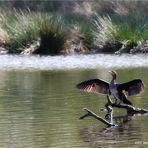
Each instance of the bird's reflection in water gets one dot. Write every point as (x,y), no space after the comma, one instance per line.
(124,135)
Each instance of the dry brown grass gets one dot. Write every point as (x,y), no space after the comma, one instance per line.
(3,36)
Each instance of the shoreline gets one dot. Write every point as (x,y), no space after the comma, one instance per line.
(33,48)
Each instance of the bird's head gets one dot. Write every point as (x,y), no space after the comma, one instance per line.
(113,73)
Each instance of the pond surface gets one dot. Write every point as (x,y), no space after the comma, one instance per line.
(41,109)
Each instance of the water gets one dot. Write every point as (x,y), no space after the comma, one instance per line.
(73,61)
(40,107)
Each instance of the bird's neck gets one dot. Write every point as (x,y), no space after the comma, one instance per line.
(113,81)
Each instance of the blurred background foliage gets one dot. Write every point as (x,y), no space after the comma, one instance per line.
(101,24)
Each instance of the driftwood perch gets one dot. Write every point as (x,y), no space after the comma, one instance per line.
(92,114)
(130,109)
(109,116)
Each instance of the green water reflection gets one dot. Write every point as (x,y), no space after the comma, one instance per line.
(42,109)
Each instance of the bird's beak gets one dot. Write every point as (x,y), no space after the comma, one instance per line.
(110,72)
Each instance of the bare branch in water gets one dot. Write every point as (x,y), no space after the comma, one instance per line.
(109,116)
(92,114)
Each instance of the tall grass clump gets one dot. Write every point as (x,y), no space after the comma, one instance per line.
(53,33)
(104,30)
(25,27)
(130,29)
(133,27)
(21,29)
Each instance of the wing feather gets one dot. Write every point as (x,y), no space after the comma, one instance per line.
(94,85)
(133,87)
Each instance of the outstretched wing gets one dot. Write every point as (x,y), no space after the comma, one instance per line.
(95,85)
(133,87)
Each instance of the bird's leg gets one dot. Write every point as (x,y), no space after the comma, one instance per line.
(117,101)
(109,115)
(109,102)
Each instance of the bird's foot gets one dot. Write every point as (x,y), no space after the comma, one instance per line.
(103,110)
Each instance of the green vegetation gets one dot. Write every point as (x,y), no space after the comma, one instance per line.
(25,27)
(133,27)
(52,32)
(69,27)
(20,27)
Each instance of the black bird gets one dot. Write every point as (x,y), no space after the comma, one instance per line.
(118,91)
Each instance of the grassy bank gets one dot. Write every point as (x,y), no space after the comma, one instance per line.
(96,26)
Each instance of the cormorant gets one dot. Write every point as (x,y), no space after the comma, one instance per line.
(118,91)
